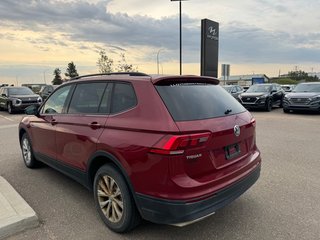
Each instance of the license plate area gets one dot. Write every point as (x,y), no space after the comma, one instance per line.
(232,151)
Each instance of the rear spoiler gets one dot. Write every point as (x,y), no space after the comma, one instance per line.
(166,80)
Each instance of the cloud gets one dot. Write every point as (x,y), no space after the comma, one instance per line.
(246,43)
(93,23)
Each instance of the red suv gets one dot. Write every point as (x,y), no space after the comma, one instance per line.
(168,149)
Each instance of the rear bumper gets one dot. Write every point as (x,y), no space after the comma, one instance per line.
(176,212)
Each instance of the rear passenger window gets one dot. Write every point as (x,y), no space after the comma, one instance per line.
(87,98)
(124,97)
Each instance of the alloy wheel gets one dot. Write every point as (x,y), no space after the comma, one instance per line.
(110,198)
(26,151)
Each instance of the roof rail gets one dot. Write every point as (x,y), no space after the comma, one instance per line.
(136,74)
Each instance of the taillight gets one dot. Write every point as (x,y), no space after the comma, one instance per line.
(176,144)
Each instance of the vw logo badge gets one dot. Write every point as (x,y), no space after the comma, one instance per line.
(236,130)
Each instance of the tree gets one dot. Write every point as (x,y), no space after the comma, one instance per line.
(302,75)
(57,80)
(104,63)
(71,71)
(123,66)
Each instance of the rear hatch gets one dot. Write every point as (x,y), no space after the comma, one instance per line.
(217,134)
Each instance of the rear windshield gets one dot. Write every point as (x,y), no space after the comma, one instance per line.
(196,101)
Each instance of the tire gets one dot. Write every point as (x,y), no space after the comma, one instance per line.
(268,105)
(281,103)
(9,107)
(286,110)
(27,152)
(114,201)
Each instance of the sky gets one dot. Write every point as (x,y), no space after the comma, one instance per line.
(256,36)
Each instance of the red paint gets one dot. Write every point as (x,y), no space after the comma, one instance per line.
(143,138)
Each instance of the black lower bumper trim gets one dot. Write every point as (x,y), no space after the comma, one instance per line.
(174,212)
(302,108)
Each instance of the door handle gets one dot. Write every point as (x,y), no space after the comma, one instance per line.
(54,121)
(94,125)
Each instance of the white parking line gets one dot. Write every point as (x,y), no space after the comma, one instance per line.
(9,126)
(7,118)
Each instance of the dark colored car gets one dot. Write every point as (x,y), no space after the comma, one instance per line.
(263,96)
(35,87)
(234,90)
(18,98)
(45,91)
(305,96)
(288,87)
(171,150)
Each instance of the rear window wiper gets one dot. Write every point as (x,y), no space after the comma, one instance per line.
(228,111)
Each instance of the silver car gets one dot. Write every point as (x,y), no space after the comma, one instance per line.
(305,96)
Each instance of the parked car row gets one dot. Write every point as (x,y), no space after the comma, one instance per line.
(304,96)
(15,99)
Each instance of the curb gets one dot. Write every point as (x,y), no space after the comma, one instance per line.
(15,213)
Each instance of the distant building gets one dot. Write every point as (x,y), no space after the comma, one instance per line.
(284,75)
(244,80)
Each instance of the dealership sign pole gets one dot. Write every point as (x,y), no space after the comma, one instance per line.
(209,48)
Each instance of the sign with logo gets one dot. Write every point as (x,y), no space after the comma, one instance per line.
(209,48)
(212,33)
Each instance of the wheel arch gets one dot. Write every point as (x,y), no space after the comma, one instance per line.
(101,158)
(21,132)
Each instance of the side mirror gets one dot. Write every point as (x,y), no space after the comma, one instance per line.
(273,91)
(32,110)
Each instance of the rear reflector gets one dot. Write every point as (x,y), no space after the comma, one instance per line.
(176,144)
(253,122)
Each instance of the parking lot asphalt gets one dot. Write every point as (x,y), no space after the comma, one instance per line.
(283,204)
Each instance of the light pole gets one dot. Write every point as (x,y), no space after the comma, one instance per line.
(158,59)
(180,27)
(44,76)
